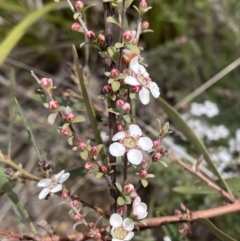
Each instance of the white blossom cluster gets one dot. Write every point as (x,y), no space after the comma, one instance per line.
(208,108)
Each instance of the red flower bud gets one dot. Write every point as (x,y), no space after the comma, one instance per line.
(129,188)
(75,203)
(143,162)
(104,169)
(77,217)
(90,35)
(143,173)
(76,27)
(145,25)
(107,89)
(82,145)
(135,88)
(114,72)
(45,82)
(127,35)
(53,104)
(120,103)
(157,156)
(143,4)
(94,149)
(155,144)
(65,132)
(119,127)
(65,195)
(88,166)
(97,236)
(126,107)
(79,5)
(70,117)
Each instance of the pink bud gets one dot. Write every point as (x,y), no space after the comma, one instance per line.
(94,149)
(126,107)
(98,236)
(75,203)
(145,25)
(127,35)
(135,41)
(79,5)
(76,27)
(114,72)
(104,169)
(155,144)
(119,127)
(53,104)
(177,212)
(120,103)
(143,173)
(90,35)
(107,89)
(120,210)
(157,156)
(70,116)
(77,217)
(65,195)
(65,132)
(143,4)
(82,145)
(129,188)
(126,71)
(135,88)
(45,82)
(88,166)
(143,161)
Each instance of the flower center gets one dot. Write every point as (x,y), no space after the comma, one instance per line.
(120,233)
(129,142)
(53,183)
(144,81)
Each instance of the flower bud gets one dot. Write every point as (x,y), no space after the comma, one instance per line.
(70,117)
(145,25)
(79,5)
(97,236)
(90,35)
(119,127)
(103,169)
(143,173)
(127,56)
(120,103)
(157,156)
(120,210)
(129,188)
(77,217)
(114,72)
(94,149)
(65,132)
(82,145)
(88,166)
(126,107)
(75,203)
(134,41)
(76,27)
(127,35)
(143,4)
(143,162)
(65,195)
(155,144)
(135,88)
(53,104)
(107,89)
(177,212)
(46,82)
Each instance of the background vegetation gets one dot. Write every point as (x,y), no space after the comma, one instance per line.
(192,41)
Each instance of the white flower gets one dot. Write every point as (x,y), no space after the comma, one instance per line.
(217,132)
(166,238)
(139,209)
(130,142)
(53,184)
(121,229)
(211,109)
(140,77)
(197,109)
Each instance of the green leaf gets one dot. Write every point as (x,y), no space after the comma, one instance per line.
(193,139)
(99,175)
(128,199)
(78,118)
(88,103)
(65,125)
(52,117)
(84,154)
(16,203)
(20,29)
(115,86)
(133,48)
(120,201)
(206,223)
(144,182)
(76,172)
(113,20)
(127,118)
(119,187)
(70,140)
(76,15)
(87,7)
(114,111)
(39,97)
(29,130)
(118,45)
(128,3)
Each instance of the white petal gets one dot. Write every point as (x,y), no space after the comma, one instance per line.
(135,130)
(44,182)
(143,71)
(129,236)
(64,177)
(136,201)
(145,143)
(144,95)
(134,65)
(128,224)
(116,220)
(118,136)
(117,149)
(135,156)
(44,193)
(131,81)
(154,89)
(57,188)
(57,176)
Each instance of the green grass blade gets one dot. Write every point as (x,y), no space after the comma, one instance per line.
(207,224)
(17,205)
(193,139)
(89,105)
(19,30)
(27,125)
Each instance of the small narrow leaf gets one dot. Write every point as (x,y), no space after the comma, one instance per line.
(113,20)
(70,140)
(119,187)
(99,175)
(144,182)
(120,201)
(78,118)
(84,154)
(127,118)
(52,117)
